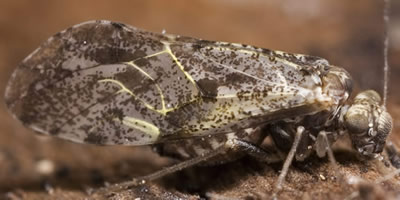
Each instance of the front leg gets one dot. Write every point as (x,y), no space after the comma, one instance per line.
(393,154)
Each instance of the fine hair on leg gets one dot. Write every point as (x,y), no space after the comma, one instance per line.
(288,161)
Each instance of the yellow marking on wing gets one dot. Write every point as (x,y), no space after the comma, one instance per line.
(188,76)
(143,126)
(154,54)
(123,88)
(162,111)
(139,69)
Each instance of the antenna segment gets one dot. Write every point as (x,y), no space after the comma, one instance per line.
(386,10)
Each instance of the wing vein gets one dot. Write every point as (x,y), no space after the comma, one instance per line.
(251,76)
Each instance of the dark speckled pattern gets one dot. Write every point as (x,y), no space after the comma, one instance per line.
(108,83)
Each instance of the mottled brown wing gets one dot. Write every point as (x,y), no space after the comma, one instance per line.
(107,83)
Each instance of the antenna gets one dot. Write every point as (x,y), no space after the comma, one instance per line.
(386,12)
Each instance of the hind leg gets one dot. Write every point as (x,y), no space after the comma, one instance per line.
(232,147)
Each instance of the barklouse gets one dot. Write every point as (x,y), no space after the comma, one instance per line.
(108,83)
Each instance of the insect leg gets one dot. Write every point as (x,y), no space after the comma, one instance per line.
(235,145)
(330,153)
(167,170)
(252,150)
(232,145)
(289,159)
(364,188)
(344,181)
(393,153)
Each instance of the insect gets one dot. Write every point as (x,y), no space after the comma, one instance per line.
(107,83)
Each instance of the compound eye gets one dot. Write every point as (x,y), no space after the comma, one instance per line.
(356,121)
(385,124)
(383,129)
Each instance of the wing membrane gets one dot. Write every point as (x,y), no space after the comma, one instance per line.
(107,83)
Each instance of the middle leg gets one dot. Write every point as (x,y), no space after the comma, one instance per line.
(288,161)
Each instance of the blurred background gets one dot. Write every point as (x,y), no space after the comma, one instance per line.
(347,33)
